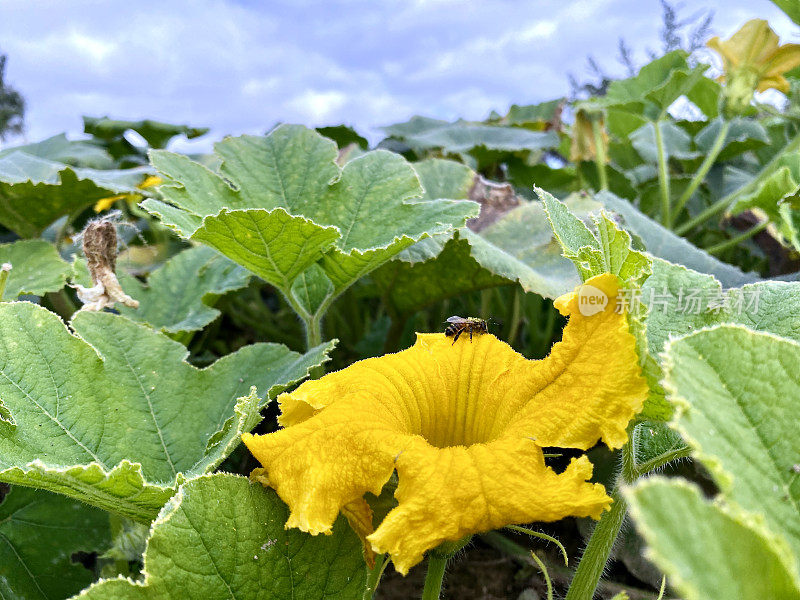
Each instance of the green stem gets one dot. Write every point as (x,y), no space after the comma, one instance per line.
(717,248)
(513,325)
(5,270)
(708,162)
(599,153)
(313,327)
(374,577)
(434,577)
(595,557)
(726,201)
(663,176)
(662,459)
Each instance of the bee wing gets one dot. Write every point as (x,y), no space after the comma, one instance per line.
(454,319)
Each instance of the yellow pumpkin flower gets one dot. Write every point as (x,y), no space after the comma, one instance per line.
(106,203)
(463,424)
(588,130)
(753,61)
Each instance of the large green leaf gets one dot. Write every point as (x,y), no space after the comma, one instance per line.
(790,7)
(155,133)
(708,551)
(409,285)
(292,206)
(36,268)
(444,179)
(743,135)
(222,536)
(34,192)
(178,296)
(39,533)
(113,415)
(677,143)
(657,85)
(456,138)
(737,394)
(70,152)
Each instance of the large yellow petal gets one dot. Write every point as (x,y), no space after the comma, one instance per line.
(447,493)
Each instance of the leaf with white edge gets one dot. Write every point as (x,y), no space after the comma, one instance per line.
(223,536)
(663,243)
(281,202)
(608,251)
(709,551)
(178,295)
(736,394)
(39,533)
(36,268)
(34,192)
(274,245)
(113,415)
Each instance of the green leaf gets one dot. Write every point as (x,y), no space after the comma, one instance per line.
(274,245)
(344,136)
(791,9)
(708,551)
(222,536)
(178,295)
(657,85)
(444,179)
(743,135)
(677,143)
(608,251)
(457,138)
(34,192)
(520,246)
(74,153)
(661,242)
(36,268)
(409,285)
(736,395)
(39,533)
(534,116)
(155,133)
(292,206)
(113,415)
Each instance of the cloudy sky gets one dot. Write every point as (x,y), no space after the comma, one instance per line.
(239,66)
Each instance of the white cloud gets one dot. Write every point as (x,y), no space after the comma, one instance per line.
(241,66)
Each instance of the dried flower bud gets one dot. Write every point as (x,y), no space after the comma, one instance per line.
(100,248)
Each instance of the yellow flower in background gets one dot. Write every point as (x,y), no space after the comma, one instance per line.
(753,61)
(106,203)
(463,425)
(589,129)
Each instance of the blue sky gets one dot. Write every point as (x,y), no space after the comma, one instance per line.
(241,66)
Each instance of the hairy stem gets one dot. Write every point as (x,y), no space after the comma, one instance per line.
(663,176)
(595,557)
(708,162)
(734,241)
(434,577)
(374,577)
